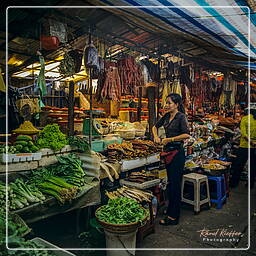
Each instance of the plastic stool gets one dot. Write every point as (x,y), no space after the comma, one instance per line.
(220,192)
(197,180)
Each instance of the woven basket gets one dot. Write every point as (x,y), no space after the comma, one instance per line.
(121,228)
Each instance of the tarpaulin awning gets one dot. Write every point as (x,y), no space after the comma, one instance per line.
(226,26)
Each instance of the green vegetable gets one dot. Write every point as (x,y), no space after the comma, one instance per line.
(51,137)
(21,142)
(23,138)
(34,149)
(26,150)
(121,210)
(30,143)
(18,147)
(81,144)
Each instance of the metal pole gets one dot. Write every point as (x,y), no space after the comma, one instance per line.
(90,121)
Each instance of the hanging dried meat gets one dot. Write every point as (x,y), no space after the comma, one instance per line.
(109,84)
(130,75)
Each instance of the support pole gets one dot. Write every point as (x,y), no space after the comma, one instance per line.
(90,121)
(151,108)
(139,105)
(71,108)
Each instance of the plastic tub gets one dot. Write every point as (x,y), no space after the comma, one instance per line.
(97,145)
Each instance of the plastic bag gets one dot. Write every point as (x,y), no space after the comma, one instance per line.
(90,56)
(58,29)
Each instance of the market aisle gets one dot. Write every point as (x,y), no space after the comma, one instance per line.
(185,235)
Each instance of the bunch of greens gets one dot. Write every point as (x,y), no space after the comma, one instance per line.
(51,137)
(2,196)
(15,240)
(121,210)
(47,182)
(22,194)
(80,143)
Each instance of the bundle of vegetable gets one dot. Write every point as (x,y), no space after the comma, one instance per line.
(133,193)
(70,169)
(24,144)
(15,240)
(121,210)
(51,137)
(2,196)
(58,188)
(81,144)
(22,194)
(7,149)
(48,183)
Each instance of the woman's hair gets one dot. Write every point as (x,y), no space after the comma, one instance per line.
(176,98)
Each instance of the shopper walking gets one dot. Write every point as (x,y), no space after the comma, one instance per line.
(247,146)
(176,128)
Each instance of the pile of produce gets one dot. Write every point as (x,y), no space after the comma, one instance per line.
(2,196)
(26,128)
(121,210)
(7,149)
(21,194)
(133,149)
(52,185)
(62,180)
(80,143)
(133,193)
(51,137)
(140,177)
(25,144)
(15,239)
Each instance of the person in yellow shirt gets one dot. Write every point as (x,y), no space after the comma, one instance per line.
(247,146)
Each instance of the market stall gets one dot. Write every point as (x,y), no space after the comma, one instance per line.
(83,108)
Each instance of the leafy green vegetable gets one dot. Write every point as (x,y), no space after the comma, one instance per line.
(51,137)
(15,240)
(121,210)
(81,144)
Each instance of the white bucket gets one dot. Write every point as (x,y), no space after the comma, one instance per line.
(122,241)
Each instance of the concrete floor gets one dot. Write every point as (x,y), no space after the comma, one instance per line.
(233,217)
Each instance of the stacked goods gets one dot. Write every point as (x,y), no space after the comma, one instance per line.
(21,194)
(25,144)
(132,193)
(26,128)
(121,210)
(133,149)
(51,137)
(140,177)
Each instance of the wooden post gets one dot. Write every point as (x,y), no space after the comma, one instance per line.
(139,105)
(151,108)
(71,108)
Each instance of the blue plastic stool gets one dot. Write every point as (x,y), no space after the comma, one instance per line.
(220,192)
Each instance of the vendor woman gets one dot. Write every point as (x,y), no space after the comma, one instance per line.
(176,128)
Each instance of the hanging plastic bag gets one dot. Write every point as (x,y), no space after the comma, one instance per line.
(58,30)
(77,58)
(91,56)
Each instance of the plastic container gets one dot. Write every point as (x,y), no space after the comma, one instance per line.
(22,157)
(97,145)
(58,252)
